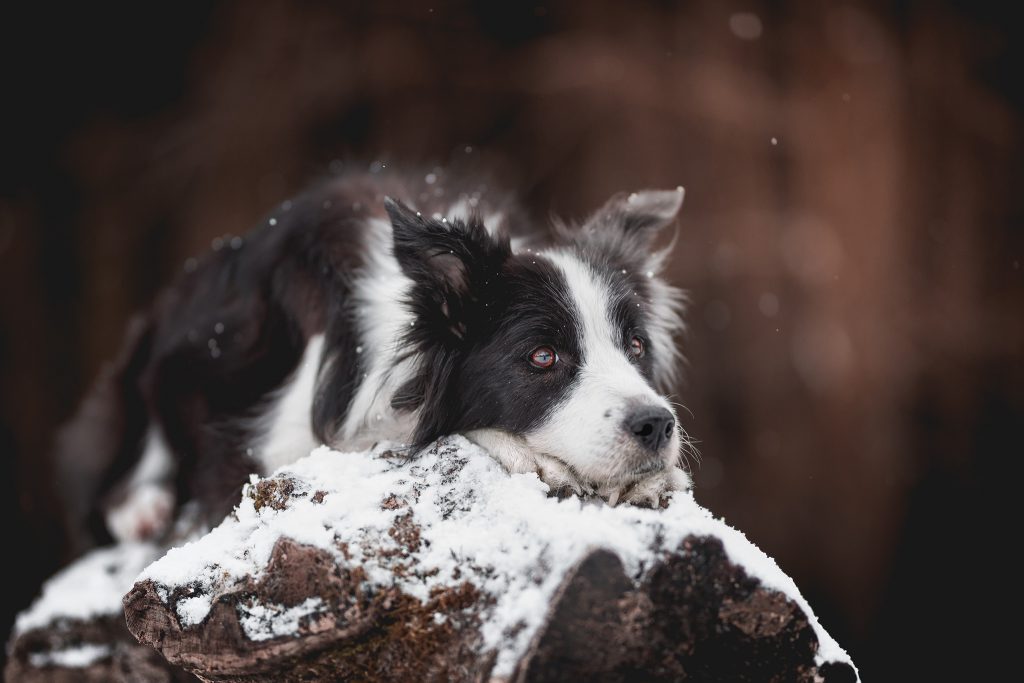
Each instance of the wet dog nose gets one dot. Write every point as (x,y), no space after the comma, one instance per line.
(651,426)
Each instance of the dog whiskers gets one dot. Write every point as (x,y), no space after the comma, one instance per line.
(679,405)
(688,448)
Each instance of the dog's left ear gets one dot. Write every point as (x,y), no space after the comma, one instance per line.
(628,223)
(640,215)
(453,264)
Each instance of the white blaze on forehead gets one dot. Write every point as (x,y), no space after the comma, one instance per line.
(602,343)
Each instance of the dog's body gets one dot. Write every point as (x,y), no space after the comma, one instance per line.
(347,318)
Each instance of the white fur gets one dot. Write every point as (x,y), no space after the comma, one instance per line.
(289,434)
(144,513)
(157,462)
(585,430)
(517,457)
(650,490)
(379,292)
(148,503)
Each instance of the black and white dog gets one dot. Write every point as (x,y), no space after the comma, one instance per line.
(377,307)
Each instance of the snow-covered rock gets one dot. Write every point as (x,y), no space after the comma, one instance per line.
(90,587)
(75,630)
(375,566)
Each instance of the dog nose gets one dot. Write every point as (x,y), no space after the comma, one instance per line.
(651,426)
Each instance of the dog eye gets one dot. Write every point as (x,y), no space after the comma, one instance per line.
(543,357)
(636,347)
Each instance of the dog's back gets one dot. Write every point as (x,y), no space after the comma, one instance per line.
(177,415)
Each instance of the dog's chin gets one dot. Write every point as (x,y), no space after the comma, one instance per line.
(626,474)
(645,469)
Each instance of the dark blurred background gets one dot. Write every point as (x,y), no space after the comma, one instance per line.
(851,239)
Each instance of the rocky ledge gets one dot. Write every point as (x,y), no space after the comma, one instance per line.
(376,567)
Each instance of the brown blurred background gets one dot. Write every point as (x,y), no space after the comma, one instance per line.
(852,241)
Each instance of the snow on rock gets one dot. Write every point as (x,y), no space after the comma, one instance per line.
(262,622)
(76,630)
(193,610)
(90,587)
(464,519)
(73,657)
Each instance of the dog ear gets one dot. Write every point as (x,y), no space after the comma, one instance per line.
(625,227)
(640,215)
(453,265)
(628,223)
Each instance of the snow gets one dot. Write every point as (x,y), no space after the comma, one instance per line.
(90,587)
(192,611)
(72,658)
(263,622)
(502,532)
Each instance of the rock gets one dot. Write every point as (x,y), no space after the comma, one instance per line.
(348,633)
(76,630)
(376,567)
(100,650)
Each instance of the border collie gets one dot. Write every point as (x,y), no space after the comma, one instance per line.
(380,307)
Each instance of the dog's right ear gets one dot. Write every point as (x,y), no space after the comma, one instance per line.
(453,264)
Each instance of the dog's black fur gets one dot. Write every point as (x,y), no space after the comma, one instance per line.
(268,293)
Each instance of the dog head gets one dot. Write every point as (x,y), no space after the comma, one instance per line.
(567,347)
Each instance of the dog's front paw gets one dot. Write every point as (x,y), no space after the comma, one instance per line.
(144,513)
(517,458)
(561,480)
(651,491)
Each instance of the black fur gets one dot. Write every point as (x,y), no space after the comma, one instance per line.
(480,311)
(216,345)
